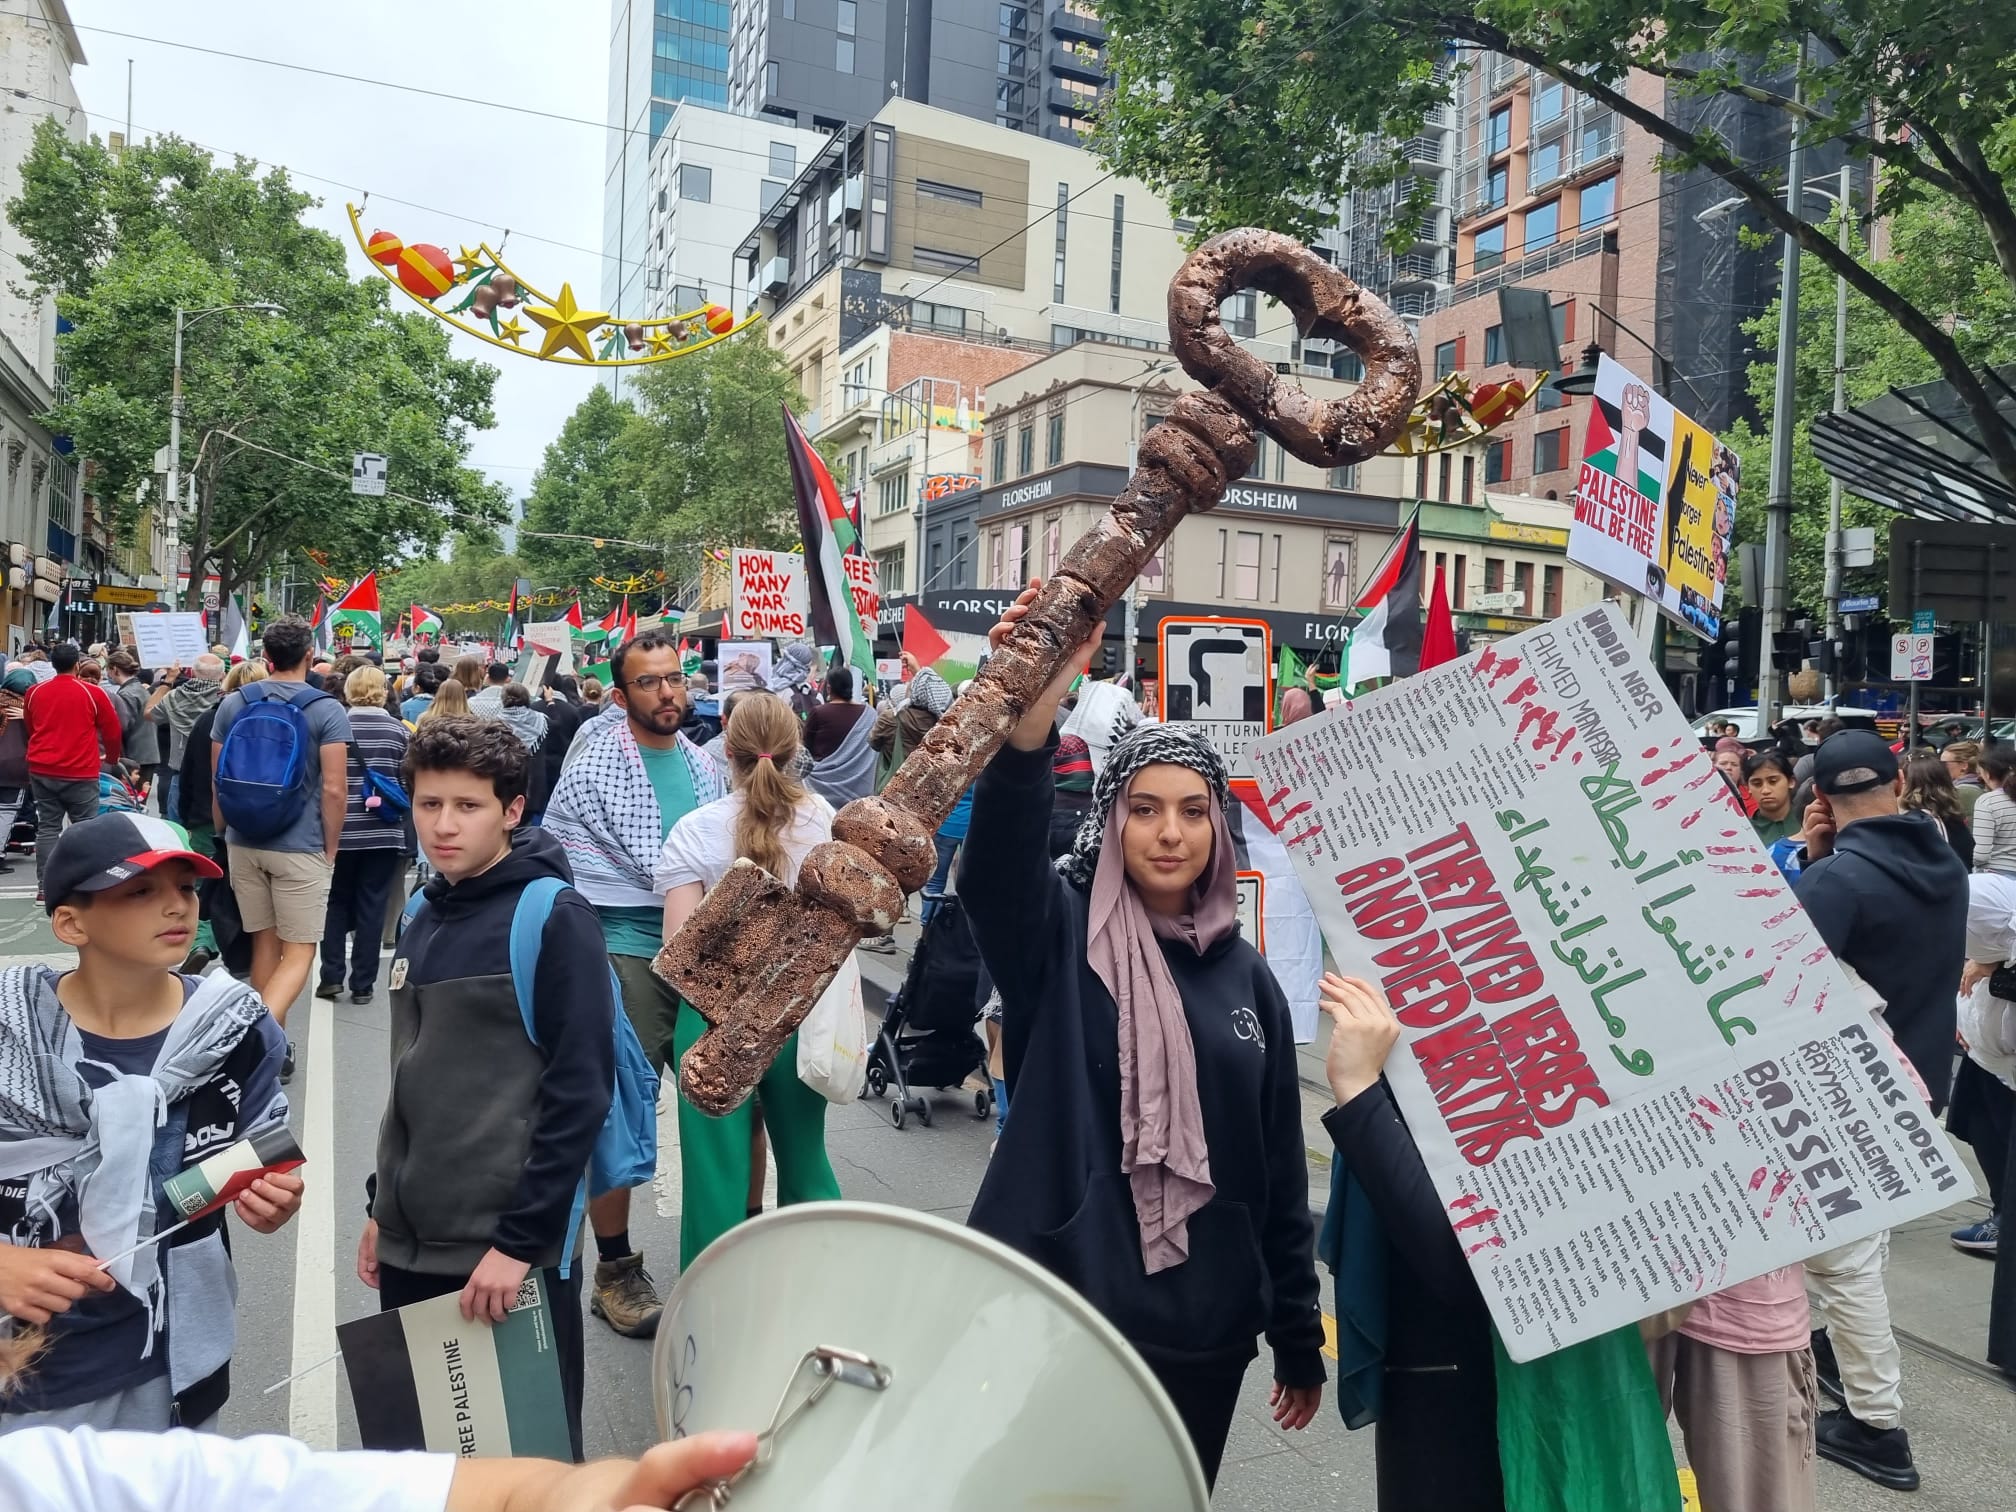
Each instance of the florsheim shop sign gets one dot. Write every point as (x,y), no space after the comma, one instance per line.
(974,611)
(1080,481)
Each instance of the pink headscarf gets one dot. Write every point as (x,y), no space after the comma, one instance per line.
(1162,1145)
(1296,704)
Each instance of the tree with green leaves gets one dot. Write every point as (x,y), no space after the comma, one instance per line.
(1939,255)
(477,569)
(1262,112)
(274,406)
(698,464)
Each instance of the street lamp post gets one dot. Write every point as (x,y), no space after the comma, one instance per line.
(1834,547)
(183,320)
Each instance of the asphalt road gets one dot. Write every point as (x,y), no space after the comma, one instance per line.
(295,1286)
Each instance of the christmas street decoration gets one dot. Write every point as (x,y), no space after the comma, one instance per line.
(479,295)
(1452,413)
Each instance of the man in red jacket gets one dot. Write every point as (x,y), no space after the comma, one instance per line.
(73,730)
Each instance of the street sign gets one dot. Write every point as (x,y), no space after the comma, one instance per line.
(1911,658)
(1216,674)
(1921,622)
(367,475)
(1868,603)
(1497,603)
(112,593)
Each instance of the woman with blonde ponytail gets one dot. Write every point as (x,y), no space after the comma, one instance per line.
(771,819)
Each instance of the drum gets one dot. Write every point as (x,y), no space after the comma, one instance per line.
(889,1355)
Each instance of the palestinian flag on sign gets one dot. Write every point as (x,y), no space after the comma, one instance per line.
(218,1179)
(425,620)
(828,535)
(954,657)
(425,1378)
(359,610)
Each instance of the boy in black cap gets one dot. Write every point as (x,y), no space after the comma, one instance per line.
(116,1076)
(1889,897)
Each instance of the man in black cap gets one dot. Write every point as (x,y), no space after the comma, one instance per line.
(1890,899)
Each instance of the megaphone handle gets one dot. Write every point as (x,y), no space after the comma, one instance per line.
(829,1365)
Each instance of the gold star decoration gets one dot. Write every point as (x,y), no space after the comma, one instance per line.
(659,343)
(511,330)
(566,324)
(468,262)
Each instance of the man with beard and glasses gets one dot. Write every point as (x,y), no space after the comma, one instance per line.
(627,781)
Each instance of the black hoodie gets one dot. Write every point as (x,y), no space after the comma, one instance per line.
(1055,1190)
(465,932)
(1891,901)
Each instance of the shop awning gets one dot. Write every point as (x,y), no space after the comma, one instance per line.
(1919,451)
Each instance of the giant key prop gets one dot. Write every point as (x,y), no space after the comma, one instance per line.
(755,955)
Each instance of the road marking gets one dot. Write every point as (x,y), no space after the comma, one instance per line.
(311,1404)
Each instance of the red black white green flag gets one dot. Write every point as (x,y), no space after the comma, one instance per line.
(828,534)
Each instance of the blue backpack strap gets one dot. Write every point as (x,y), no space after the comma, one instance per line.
(528,928)
(412,910)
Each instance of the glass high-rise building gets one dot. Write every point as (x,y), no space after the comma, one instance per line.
(660,52)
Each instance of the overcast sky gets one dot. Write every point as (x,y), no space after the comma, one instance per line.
(481,169)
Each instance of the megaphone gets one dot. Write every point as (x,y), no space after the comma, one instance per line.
(873,1348)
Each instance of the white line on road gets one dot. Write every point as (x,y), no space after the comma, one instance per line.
(311,1404)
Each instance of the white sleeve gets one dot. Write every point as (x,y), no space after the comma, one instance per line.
(78,1470)
(683,858)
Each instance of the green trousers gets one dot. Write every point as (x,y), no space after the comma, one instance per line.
(714,1152)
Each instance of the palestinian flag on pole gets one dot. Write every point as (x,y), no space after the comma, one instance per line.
(425,620)
(425,1378)
(212,1182)
(828,535)
(358,609)
(689,656)
(573,617)
(1387,641)
(954,657)
(321,622)
(508,637)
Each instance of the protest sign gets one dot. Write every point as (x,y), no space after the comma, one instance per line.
(1635,1074)
(556,638)
(167,640)
(1655,502)
(426,1378)
(210,1183)
(768,595)
(889,670)
(743,666)
(861,583)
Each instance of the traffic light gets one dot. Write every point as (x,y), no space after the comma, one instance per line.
(1715,654)
(1788,650)
(1749,644)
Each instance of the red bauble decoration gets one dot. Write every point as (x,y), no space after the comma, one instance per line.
(384,248)
(720,319)
(425,270)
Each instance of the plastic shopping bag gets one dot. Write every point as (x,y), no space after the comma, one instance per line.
(833,1039)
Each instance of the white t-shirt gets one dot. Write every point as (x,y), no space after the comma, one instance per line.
(78,1470)
(701,846)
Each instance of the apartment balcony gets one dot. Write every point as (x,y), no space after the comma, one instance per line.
(1415,303)
(1073,27)
(1426,151)
(1415,269)
(1089,67)
(1060,98)
(1502,73)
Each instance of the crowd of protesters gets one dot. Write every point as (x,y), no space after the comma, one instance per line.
(1170,1189)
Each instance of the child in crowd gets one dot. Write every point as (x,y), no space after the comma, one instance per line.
(116,1075)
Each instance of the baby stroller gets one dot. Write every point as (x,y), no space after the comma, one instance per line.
(928,1034)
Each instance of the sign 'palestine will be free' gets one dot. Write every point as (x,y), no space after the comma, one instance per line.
(1635,1074)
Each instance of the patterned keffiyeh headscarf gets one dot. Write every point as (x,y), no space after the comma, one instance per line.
(1145,745)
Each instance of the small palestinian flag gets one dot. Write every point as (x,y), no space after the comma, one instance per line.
(689,657)
(426,1378)
(1387,641)
(358,609)
(425,620)
(212,1182)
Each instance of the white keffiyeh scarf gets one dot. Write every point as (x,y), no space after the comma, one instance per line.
(605,815)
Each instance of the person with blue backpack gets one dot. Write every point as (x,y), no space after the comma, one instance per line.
(513,1094)
(280,780)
